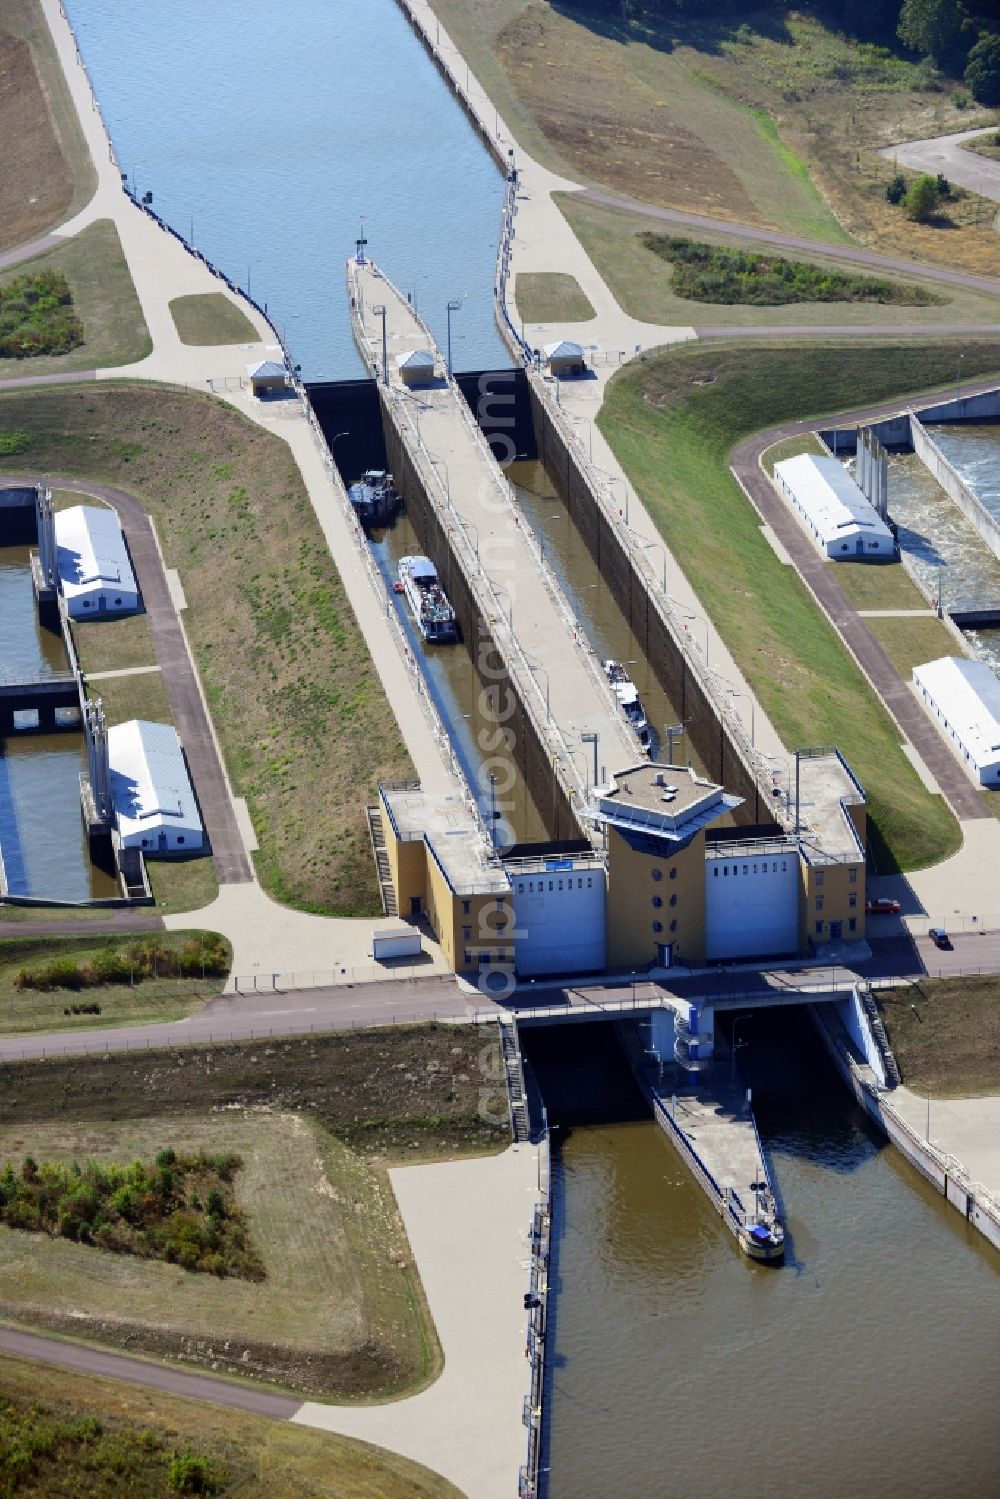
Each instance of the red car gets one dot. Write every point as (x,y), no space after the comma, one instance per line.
(882,905)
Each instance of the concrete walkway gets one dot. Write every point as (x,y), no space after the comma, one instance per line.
(468,1225)
(966,1128)
(945,154)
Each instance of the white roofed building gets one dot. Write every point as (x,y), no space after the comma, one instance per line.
(267,378)
(964,698)
(416,366)
(833,509)
(565,358)
(95,573)
(151,791)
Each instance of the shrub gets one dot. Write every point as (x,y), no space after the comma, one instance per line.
(189,1474)
(982,73)
(895,190)
(922,198)
(37,317)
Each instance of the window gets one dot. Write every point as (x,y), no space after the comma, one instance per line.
(852,925)
(466,907)
(673,900)
(852,875)
(86,603)
(819,876)
(467,959)
(673,926)
(819,902)
(725,870)
(755,869)
(579,884)
(673,872)
(145,843)
(531,887)
(745,868)
(819,929)
(657,926)
(657,902)
(499,902)
(502,924)
(466,934)
(589,881)
(784,866)
(656,874)
(550,885)
(118,602)
(180,837)
(774,867)
(560,884)
(852,900)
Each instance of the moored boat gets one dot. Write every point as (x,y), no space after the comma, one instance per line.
(374,497)
(628,699)
(432,613)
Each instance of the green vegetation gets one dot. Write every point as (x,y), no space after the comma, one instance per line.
(203,954)
(982,71)
(315,1120)
(643,283)
(922,198)
(551,297)
(49,983)
(37,316)
(211,318)
(47,171)
(183,884)
(885,585)
(909,642)
(304,724)
(711,273)
(950,1046)
(104,299)
(180,1209)
(672,421)
(113,644)
(791,447)
(141,696)
(141,1432)
(40,1453)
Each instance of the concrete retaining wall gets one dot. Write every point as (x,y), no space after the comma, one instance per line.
(955,487)
(856,1024)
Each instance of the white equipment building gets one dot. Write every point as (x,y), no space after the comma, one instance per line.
(151,791)
(95,573)
(833,509)
(964,697)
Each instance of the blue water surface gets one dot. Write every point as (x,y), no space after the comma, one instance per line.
(272,128)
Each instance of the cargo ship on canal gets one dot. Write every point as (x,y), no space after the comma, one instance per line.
(433,614)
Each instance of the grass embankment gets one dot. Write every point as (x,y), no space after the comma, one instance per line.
(47,171)
(950,1046)
(141,696)
(315,1122)
(180,1209)
(210,318)
(139,979)
(768,118)
(673,433)
(37,316)
(114,329)
(719,273)
(113,644)
(643,283)
(305,727)
(884,585)
(551,297)
(909,642)
(123,1439)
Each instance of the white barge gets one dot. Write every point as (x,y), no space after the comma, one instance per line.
(628,700)
(432,613)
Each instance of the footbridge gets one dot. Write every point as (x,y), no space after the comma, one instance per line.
(490,564)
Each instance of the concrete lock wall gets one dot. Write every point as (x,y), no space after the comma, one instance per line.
(529,752)
(954,486)
(707,734)
(856,1024)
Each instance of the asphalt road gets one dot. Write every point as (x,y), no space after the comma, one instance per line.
(110,923)
(853,254)
(82,1360)
(945,154)
(956,787)
(232,863)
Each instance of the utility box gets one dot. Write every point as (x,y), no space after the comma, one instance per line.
(395,944)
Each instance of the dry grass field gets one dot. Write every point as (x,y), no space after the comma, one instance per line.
(261,1458)
(113,645)
(50,175)
(908,642)
(305,727)
(951,1044)
(210,318)
(780,126)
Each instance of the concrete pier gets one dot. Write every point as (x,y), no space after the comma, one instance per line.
(489,561)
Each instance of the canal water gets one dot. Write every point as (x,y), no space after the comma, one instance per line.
(41,831)
(865,1368)
(973,448)
(268,131)
(945,551)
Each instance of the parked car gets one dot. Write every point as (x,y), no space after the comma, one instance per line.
(882,905)
(940,937)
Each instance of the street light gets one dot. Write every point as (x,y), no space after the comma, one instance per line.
(380,311)
(541,534)
(466,524)
(687,613)
(737,1045)
(741,692)
(663,553)
(537,666)
(958,378)
(454,305)
(447,477)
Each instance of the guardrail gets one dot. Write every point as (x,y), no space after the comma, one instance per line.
(537,1304)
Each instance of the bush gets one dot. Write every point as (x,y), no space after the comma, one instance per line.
(895,190)
(37,317)
(982,73)
(922,198)
(194,1475)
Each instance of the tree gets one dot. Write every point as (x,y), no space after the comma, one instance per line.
(982,73)
(938,29)
(922,198)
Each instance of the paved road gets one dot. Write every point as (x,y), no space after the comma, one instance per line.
(956,787)
(945,154)
(821,331)
(30,248)
(153,1376)
(111,924)
(232,864)
(795,242)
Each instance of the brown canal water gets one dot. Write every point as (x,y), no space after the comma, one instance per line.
(865,1368)
(42,838)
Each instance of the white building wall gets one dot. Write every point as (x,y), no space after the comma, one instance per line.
(558,920)
(752,905)
(983,765)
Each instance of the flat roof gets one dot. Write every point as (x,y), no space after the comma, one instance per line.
(829,497)
(91,552)
(967,693)
(826,784)
(668,801)
(449,827)
(149,782)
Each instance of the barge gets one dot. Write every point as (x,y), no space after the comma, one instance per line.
(432,613)
(628,700)
(374,498)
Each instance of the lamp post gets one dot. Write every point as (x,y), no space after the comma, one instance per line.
(465,524)
(454,305)
(739,692)
(737,1045)
(958,378)
(447,476)
(593,739)
(663,553)
(541,536)
(380,311)
(537,666)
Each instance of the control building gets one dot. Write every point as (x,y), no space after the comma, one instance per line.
(92,560)
(963,697)
(831,507)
